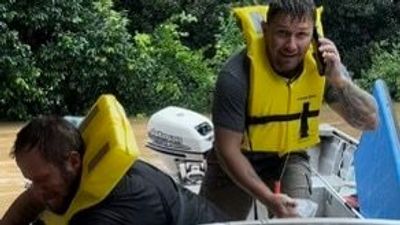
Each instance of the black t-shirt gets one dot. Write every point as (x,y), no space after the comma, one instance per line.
(147,196)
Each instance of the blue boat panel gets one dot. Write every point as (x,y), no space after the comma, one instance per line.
(377,162)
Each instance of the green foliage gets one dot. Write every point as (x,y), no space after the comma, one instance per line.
(229,40)
(169,72)
(80,65)
(385,66)
(201,34)
(355,25)
(18,76)
(61,55)
(145,15)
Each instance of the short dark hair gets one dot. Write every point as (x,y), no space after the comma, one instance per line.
(52,136)
(297,9)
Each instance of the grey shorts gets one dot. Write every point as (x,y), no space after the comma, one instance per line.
(220,189)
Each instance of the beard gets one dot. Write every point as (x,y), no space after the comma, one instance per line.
(72,181)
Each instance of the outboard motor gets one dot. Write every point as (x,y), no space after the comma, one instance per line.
(184,137)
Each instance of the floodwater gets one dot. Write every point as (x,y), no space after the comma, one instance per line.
(12,182)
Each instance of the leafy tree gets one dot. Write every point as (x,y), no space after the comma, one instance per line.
(169,72)
(355,25)
(385,66)
(61,55)
(94,58)
(19,95)
(229,40)
(145,15)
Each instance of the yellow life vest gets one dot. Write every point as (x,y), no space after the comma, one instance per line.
(282,116)
(110,151)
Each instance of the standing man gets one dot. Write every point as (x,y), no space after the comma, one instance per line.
(266,108)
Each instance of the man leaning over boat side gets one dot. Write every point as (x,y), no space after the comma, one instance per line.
(49,151)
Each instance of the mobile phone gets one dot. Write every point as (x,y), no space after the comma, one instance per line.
(317,54)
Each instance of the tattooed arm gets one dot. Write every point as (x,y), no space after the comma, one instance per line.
(352,103)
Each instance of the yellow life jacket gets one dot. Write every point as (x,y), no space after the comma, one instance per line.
(110,151)
(282,116)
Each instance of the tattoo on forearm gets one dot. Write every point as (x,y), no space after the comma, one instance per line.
(355,105)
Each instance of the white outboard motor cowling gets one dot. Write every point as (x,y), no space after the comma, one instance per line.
(183,137)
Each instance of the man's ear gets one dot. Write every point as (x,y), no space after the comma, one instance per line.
(74,161)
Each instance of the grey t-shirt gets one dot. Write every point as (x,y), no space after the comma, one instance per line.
(230,96)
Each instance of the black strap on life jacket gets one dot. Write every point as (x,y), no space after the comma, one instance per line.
(302,116)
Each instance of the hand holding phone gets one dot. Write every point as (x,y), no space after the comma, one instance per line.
(318,54)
